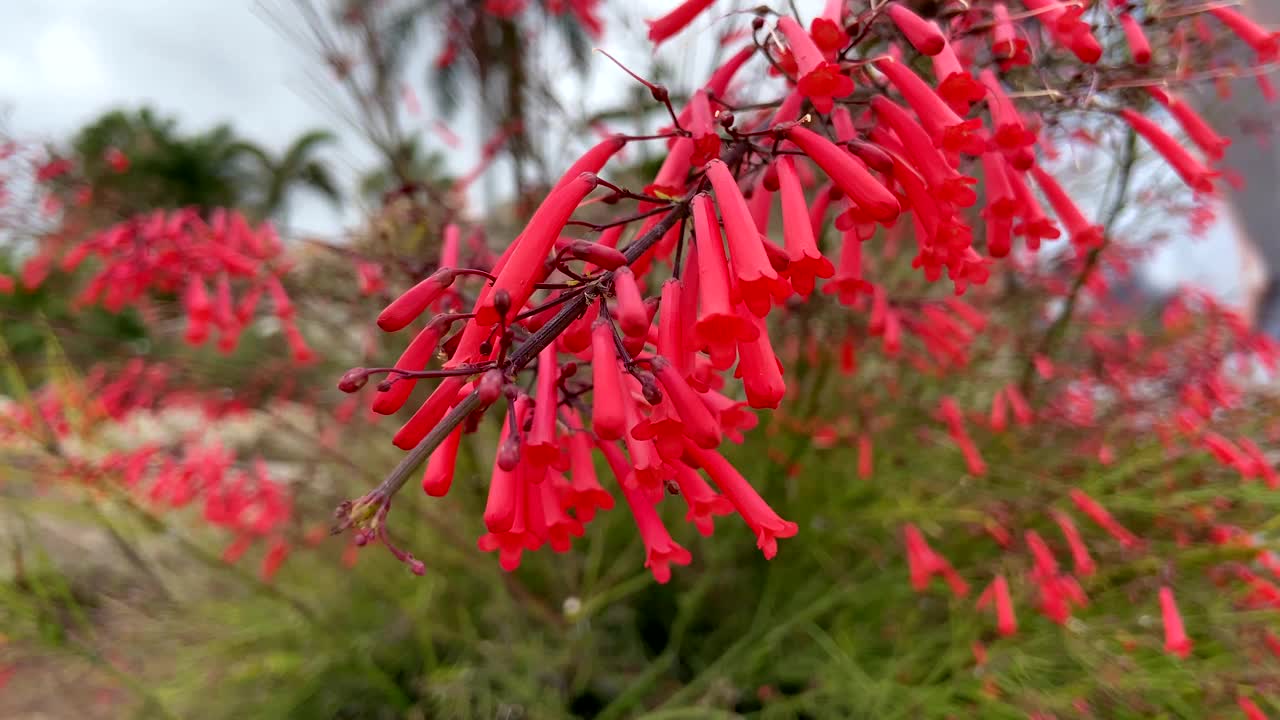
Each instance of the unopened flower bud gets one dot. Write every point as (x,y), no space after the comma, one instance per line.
(490,386)
(770,178)
(726,119)
(501,302)
(873,156)
(649,387)
(509,454)
(569,369)
(353,379)
(757,23)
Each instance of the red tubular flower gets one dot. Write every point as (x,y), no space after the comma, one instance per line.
(751,267)
(1021,410)
(541,446)
(1263,41)
(583,495)
(704,503)
(706,138)
(525,263)
(924,563)
(1250,709)
(591,162)
(819,80)
(948,185)
(767,525)
(999,237)
(924,35)
(733,419)
(699,425)
(608,414)
(1099,515)
(848,174)
(1035,225)
(1010,48)
(806,262)
(560,526)
(955,85)
(1001,201)
(414,358)
(760,370)
(1139,46)
(948,130)
(504,485)
(847,282)
(718,84)
(438,477)
(1176,641)
(1191,170)
(672,324)
(519,535)
(1083,234)
(1006,621)
(676,20)
(196,301)
(274,558)
(1209,141)
(1011,132)
(406,308)
(1079,552)
(719,327)
(660,550)
(430,414)
(999,412)
(630,310)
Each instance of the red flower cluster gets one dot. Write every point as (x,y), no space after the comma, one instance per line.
(196,472)
(675,323)
(221,267)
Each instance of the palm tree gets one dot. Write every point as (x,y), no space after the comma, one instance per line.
(215,168)
(419,170)
(296,168)
(166,168)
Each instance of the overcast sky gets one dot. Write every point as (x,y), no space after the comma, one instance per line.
(62,62)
